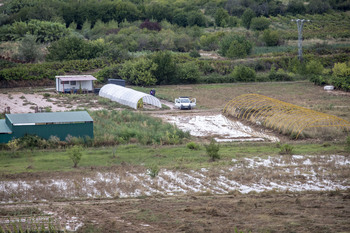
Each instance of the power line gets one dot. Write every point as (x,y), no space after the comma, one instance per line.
(300,24)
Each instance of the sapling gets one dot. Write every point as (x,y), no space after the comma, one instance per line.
(75,155)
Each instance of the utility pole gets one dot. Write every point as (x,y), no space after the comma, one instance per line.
(300,24)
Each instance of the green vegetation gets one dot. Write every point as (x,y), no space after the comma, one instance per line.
(213,150)
(75,155)
(149,43)
(172,157)
(192,146)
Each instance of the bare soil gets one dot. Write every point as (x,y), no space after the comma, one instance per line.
(264,212)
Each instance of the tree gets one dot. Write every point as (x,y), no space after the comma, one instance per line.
(244,74)
(188,73)
(181,19)
(75,155)
(296,7)
(247,17)
(196,18)
(221,17)
(166,67)
(139,72)
(29,50)
(234,46)
(74,48)
(318,7)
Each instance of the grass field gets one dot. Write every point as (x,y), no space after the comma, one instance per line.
(171,157)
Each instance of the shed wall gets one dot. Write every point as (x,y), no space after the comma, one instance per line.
(84,85)
(58,130)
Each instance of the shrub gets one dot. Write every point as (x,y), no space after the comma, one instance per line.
(271,38)
(244,74)
(32,141)
(213,150)
(286,149)
(75,154)
(192,146)
(314,67)
(259,23)
(153,170)
(279,75)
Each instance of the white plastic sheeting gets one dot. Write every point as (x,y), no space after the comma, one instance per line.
(127,96)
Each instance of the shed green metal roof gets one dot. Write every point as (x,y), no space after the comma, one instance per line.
(3,127)
(49,117)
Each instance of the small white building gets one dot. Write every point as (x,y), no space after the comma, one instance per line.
(73,83)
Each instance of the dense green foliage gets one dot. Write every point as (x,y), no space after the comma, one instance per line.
(48,70)
(43,30)
(234,46)
(145,41)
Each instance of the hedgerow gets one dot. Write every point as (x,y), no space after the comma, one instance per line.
(49,70)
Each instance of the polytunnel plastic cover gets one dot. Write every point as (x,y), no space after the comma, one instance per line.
(127,96)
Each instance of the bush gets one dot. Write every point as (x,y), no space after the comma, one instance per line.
(286,149)
(213,150)
(314,67)
(153,171)
(234,46)
(75,154)
(271,38)
(279,75)
(259,23)
(243,74)
(192,146)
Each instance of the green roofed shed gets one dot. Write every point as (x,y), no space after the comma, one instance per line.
(45,125)
(49,117)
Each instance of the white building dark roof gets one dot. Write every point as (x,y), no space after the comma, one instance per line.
(127,96)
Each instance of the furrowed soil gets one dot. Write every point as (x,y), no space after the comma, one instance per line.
(264,212)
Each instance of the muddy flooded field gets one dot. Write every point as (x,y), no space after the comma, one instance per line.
(287,193)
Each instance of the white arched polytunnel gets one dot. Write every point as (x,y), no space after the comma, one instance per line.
(127,96)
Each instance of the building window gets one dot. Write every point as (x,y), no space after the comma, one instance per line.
(64,82)
(73,83)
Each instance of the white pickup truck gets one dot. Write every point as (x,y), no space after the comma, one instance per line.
(185,103)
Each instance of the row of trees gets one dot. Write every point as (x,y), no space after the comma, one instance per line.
(183,13)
